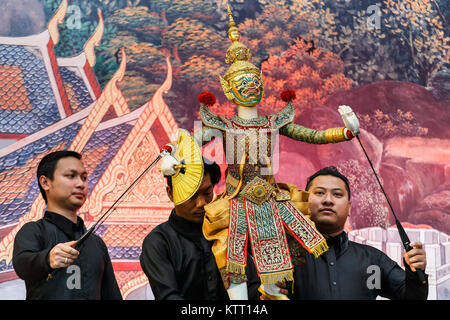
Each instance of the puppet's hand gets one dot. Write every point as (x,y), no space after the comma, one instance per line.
(168,161)
(350,119)
(168,164)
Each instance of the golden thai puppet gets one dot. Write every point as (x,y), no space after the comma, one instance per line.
(273,216)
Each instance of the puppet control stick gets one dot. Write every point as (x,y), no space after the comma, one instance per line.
(403,236)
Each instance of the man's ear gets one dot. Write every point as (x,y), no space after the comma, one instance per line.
(45,182)
(169,193)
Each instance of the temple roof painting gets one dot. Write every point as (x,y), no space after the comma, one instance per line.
(48,103)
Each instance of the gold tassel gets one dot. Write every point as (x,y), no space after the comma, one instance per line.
(272,278)
(234,267)
(320,248)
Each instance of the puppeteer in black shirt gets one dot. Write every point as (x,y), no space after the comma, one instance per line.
(348,270)
(180,265)
(93,266)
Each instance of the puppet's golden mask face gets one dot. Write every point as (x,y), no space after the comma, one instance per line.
(247,89)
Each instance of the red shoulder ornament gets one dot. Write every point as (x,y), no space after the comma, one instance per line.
(207,98)
(287,95)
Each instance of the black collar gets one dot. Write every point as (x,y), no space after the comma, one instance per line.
(339,243)
(190,230)
(72,230)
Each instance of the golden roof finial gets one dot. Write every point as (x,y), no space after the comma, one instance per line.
(94,40)
(111,90)
(57,18)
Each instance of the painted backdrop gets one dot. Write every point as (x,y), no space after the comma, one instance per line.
(116,79)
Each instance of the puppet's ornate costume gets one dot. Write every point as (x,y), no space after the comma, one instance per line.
(253,204)
(254,207)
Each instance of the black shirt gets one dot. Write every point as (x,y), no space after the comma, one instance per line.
(90,276)
(349,270)
(180,265)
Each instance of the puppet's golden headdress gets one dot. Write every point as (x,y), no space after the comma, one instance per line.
(238,55)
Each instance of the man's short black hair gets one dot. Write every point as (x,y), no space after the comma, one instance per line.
(48,164)
(208,167)
(329,171)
